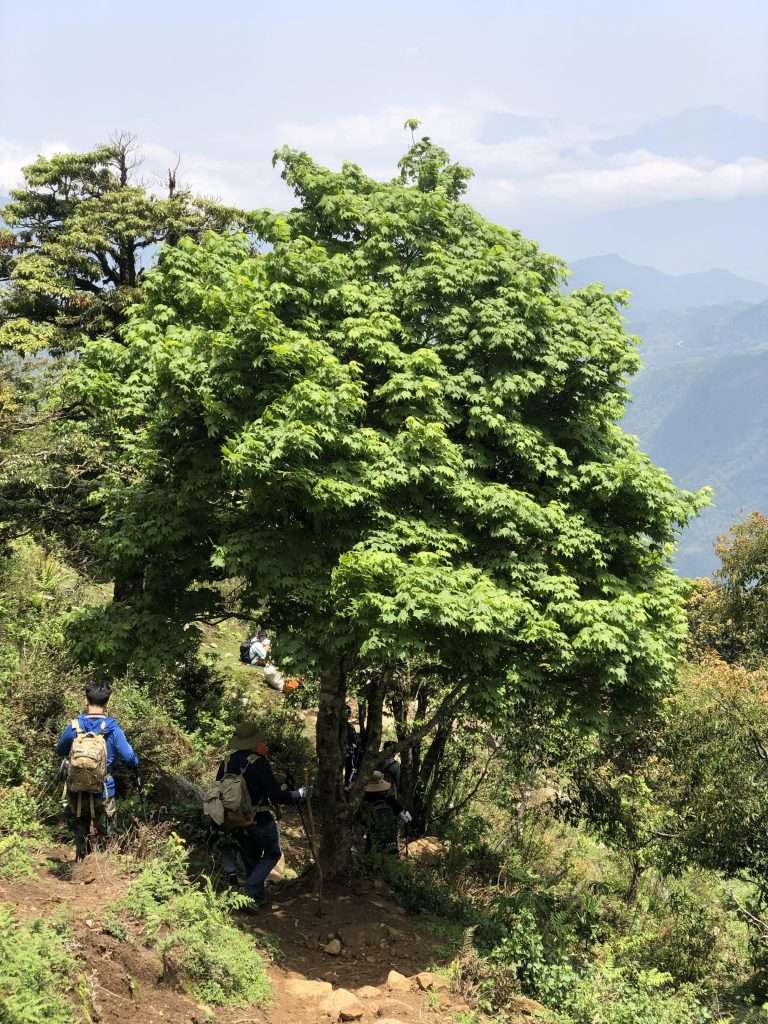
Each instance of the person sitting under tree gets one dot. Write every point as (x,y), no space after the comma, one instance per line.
(257,652)
(92,743)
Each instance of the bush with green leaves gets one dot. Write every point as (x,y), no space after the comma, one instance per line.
(691,936)
(609,995)
(20,832)
(190,927)
(36,969)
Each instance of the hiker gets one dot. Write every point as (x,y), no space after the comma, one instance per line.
(92,743)
(240,803)
(351,745)
(382,813)
(256,652)
(390,769)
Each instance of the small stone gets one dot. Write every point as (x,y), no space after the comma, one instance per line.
(89,922)
(333,947)
(526,1007)
(393,1008)
(397,982)
(368,992)
(303,989)
(427,981)
(342,1005)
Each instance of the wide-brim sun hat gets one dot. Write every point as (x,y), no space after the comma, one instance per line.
(246,737)
(378,784)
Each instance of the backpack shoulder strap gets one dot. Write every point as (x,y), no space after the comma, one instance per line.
(75,724)
(251,759)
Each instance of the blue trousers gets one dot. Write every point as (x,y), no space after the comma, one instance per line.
(259,846)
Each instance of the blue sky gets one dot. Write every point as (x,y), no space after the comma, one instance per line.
(224,84)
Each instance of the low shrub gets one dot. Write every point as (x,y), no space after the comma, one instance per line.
(36,968)
(20,832)
(692,938)
(606,995)
(189,926)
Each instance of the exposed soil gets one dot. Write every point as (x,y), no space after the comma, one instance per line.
(126,980)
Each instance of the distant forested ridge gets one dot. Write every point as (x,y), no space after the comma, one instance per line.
(698,403)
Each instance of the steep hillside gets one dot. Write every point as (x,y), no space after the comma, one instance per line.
(705,421)
(653,291)
(697,404)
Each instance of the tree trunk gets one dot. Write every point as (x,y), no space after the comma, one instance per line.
(128,584)
(335,814)
(374,710)
(410,759)
(428,782)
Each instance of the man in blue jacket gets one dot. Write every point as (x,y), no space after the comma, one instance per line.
(93,815)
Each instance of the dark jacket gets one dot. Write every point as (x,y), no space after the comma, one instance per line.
(263,787)
(118,747)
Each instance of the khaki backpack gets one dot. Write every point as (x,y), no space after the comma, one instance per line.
(228,802)
(87,771)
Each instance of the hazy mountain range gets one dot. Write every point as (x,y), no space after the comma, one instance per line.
(698,405)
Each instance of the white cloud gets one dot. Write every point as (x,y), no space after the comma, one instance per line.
(556,168)
(238,182)
(346,136)
(13,157)
(634,179)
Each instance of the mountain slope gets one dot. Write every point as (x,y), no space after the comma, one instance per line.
(653,291)
(705,421)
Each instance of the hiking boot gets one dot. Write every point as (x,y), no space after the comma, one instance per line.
(253,908)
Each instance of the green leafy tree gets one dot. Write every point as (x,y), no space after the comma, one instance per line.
(396,430)
(729,613)
(80,234)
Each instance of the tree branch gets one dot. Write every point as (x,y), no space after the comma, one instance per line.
(453,808)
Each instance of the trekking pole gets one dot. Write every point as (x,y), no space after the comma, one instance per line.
(311,837)
(291,782)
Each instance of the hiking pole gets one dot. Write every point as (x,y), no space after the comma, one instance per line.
(291,782)
(311,837)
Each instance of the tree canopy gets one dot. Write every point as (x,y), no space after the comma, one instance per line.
(396,430)
(79,235)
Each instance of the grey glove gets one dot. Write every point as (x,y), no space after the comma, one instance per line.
(405,817)
(302,793)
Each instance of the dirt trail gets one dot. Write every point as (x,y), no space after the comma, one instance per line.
(126,979)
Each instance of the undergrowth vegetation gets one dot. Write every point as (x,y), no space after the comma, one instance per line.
(189,926)
(613,883)
(37,967)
